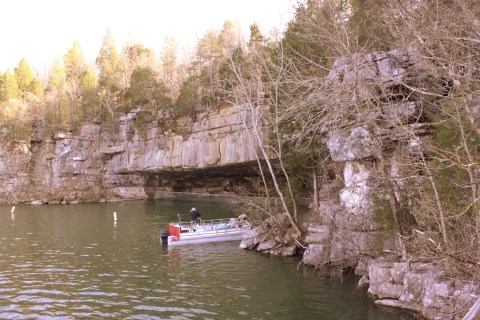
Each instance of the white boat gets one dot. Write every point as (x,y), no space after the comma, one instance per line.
(217,230)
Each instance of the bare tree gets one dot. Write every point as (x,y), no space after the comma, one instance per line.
(248,92)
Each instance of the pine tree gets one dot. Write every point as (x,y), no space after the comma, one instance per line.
(8,86)
(168,65)
(147,90)
(135,55)
(109,64)
(26,80)
(110,75)
(255,34)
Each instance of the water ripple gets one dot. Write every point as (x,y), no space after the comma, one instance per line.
(79,265)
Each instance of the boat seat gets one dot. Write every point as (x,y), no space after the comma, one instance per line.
(221,226)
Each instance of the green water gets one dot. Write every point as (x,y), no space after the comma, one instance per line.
(76,262)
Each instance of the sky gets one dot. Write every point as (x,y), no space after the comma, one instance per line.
(44,30)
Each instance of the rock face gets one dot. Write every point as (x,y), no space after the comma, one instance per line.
(14,162)
(419,287)
(132,161)
(346,232)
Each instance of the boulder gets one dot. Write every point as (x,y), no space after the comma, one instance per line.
(249,240)
(266,245)
(386,279)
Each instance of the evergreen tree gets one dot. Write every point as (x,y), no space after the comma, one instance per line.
(57,77)
(305,39)
(367,27)
(56,99)
(213,53)
(75,68)
(109,64)
(255,34)
(168,66)
(8,86)
(188,97)
(147,91)
(26,80)
(135,56)
(88,79)
(74,63)
(228,38)
(110,75)
(88,91)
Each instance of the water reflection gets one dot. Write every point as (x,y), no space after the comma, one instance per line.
(70,262)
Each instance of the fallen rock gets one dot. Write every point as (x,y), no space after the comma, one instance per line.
(266,245)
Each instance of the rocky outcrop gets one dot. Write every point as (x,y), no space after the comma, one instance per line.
(346,232)
(420,287)
(14,164)
(133,160)
(268,238)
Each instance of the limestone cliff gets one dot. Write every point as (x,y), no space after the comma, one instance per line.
(347,232)
(131,160)
(349,227)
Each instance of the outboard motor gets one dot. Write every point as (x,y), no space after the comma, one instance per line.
(164,235)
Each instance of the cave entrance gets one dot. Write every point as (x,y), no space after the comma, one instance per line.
(242,180)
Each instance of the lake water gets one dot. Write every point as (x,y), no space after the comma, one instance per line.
(75,262)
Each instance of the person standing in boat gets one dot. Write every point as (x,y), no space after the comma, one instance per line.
(194,216)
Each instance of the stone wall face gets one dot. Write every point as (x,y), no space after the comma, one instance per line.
(347,233)
(216,140)
(14,163)
(98,165)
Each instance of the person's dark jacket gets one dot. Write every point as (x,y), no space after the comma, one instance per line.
(194,215)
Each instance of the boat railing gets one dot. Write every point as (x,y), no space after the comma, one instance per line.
(218,225)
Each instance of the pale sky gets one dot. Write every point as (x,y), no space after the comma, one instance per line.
(43,30)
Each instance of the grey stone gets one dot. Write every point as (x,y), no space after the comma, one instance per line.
(316,254)
(352,144)
(266,245)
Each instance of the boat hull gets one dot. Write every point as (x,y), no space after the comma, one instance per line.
(205,239)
